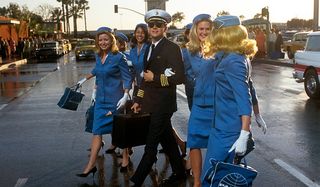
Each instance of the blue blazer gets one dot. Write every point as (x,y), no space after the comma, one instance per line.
(111,78)
(202,71)
(232,94)
(137,62)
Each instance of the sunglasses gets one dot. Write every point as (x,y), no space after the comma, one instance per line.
(157,24)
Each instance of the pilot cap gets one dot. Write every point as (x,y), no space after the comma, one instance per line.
(122,36)
(157,15)
(226,21)
(201,17)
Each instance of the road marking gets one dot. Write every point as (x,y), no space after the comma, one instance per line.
(21,182)
(296,173)
(181,93)
(2,106)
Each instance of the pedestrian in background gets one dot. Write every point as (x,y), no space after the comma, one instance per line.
(163,70)
(201,72)
(113,81)
(232,48)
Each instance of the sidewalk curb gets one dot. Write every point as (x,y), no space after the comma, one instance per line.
(15,63)
(273,62)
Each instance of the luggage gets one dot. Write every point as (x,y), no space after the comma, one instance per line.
(71,98)
(130,130)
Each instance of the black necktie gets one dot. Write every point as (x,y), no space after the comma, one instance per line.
(152,47)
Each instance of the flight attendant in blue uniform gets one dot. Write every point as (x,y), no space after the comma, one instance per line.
(232,99)
(140,43)
(122,42)
(201,71)
(113,81)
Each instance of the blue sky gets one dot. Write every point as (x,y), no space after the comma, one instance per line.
(101,11)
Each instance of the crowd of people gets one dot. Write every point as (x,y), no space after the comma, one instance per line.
(269,45)
(213,63)
(24,48)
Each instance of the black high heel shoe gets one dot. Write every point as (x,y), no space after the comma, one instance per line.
(111,151)
(124,169)
(102,144)
(184,150)
(93,171)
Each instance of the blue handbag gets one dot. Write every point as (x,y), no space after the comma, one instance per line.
(89,118)
(226,174)
(71,98)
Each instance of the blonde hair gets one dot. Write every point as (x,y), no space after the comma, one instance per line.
(231,39)
(114,48)
(194,45)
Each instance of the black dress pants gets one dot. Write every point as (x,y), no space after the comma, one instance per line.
(160,131)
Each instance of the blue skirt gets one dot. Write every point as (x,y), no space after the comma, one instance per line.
(218,146)
(103,123)
(200,124)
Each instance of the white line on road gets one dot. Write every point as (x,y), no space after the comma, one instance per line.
(21,182)
(2,106)
(296,173)
(181,93)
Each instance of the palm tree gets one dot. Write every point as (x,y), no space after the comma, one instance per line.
(223,13)
(56,17)
(83,4)
(65,6)
(177,18)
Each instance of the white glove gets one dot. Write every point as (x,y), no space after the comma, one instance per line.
(129,62)
(141,74)
(123,100)
(168,72)
(261,123)
(80,82)
(240,145)
(93,95)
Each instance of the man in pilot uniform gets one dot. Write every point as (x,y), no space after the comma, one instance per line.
(163,70)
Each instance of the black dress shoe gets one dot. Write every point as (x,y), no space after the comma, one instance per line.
(173,180)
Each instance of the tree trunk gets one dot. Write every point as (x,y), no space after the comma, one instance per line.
(67,17)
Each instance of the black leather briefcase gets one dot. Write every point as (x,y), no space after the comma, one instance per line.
(130,130)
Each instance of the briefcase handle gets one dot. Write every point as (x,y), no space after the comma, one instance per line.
(76,87)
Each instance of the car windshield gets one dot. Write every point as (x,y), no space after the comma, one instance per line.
(85,42)
(48,44)
(313,43)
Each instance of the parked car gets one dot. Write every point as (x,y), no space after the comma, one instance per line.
(307,65)
(297,43)
(73,42)
(49,49)
(287,35)
(85,49)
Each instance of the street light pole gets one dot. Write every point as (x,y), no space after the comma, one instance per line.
(116,7)
(316,15)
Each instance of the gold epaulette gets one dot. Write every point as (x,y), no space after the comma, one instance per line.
(140,93)
(164,80)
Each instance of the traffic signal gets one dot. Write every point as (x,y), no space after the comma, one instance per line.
(115,8)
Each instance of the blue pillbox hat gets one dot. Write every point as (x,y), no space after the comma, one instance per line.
(201,17)
(188,26)
(104,29)
(122,36)
(157,15)
(226,21)
(141,25)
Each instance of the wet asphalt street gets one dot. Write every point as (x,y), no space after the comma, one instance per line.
(45,146)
